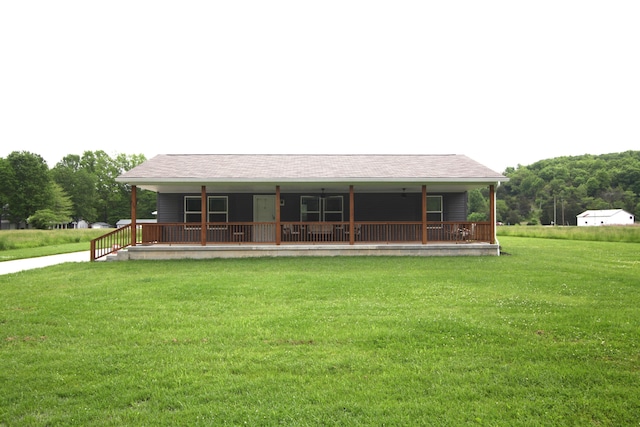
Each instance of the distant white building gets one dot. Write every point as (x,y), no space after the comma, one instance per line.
(123,222)
(81,224)
(605,217)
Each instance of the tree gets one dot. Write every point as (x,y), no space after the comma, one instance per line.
(502,211)
(44,219)
(478,206)
(61,204)
(113,199)
(146,200)
(90,181)
(79,184)
(103,170)
(28,188)
(58,212)
(6,178)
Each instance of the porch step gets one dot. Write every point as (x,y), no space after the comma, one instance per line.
(121,255)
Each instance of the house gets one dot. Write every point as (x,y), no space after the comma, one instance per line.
(605,217)
(268,205)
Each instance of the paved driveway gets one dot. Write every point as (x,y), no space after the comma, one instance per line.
(7,267)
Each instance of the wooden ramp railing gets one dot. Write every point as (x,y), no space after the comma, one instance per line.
(111,242)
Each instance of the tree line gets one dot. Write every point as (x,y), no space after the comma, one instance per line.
(558,189)
(76,188)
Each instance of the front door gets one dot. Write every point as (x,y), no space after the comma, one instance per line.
(264,211)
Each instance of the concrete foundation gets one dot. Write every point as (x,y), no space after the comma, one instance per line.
(160,252)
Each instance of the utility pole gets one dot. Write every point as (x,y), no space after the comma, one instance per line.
(554,211)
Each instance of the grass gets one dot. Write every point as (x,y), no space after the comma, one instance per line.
(19,244)
(546,336)
(614,233)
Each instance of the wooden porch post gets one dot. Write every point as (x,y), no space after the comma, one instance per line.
(352,224)
(203,216)
(134,205)
(492,212)
(278,231)
(424,214)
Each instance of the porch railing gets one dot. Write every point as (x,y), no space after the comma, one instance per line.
(111,242)
(292,233)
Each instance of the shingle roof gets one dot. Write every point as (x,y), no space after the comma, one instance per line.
(245,167)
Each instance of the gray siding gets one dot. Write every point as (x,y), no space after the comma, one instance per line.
(387,207)
(170,207)
(368,206)
(455,206)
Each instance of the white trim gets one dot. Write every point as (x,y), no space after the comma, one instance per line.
(336,180)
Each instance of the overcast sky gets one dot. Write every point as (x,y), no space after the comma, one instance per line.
(504,82)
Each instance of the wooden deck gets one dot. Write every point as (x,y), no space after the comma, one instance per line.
(186,240)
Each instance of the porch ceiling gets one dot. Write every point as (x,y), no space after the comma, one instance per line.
(312,187)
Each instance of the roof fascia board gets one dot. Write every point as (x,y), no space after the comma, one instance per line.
(182,181)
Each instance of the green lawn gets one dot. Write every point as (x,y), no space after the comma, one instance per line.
(19,244)
(547,335)
(610,233)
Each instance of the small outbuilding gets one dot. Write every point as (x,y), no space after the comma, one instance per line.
(605,217)
(80,224)
(101,225)
(124,222)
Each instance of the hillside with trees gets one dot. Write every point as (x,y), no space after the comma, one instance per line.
(561,188)
(76,188)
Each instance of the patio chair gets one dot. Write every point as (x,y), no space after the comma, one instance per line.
(458,233)
(290,233)
(357,230)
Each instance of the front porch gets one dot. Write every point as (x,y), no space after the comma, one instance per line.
(253,239)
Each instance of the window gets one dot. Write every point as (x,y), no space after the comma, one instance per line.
(217,209)
(434,208)
(192,209)
(316,208)
(333,208)
(309,208)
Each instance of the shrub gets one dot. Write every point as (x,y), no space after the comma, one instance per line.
(45,219)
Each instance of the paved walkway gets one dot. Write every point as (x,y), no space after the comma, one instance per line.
(7,267)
